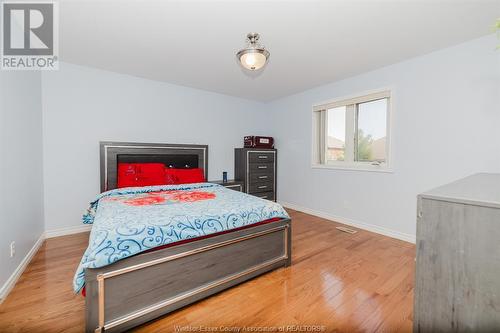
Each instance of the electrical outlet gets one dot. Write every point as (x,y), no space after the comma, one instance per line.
(346,204)
(12,249)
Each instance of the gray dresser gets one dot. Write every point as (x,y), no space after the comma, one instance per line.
(257,169)
(457,285)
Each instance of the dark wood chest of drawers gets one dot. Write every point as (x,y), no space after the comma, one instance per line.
(257,169)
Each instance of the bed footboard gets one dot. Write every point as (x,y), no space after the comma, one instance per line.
(143,287)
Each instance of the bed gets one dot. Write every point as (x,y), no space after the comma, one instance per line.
(155,249)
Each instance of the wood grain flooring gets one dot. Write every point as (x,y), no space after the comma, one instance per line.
(341,282)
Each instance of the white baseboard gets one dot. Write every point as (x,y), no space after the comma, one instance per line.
(361,225)
(67,231)
(7,287)
(11,282)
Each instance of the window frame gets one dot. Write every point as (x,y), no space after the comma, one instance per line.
(351,103)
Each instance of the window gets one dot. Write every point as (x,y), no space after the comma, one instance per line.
(353,133)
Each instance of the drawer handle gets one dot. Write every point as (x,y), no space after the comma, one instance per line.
(262,177)
(263,186)
(262,156)
(262,167)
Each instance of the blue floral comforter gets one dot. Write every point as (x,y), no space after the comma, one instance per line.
(128,221)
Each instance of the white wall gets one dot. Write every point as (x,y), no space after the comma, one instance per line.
(21,201)
(446,109)
(82,106)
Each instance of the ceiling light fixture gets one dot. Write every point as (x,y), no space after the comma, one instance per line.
(254,56)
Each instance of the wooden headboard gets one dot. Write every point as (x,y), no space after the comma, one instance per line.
(173,155)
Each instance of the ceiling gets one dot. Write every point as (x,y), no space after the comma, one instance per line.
(193,43)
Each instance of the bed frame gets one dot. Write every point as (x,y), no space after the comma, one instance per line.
(140,288)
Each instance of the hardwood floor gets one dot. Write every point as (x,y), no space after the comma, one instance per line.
(344,282)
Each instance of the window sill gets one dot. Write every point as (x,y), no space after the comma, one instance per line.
(354,168)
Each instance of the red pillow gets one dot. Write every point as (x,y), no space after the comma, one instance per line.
(171,176)
(140,174)
(184,176)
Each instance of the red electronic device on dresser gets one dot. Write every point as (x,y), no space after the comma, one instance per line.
(258,142)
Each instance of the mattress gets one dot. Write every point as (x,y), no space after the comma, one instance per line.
(129,221)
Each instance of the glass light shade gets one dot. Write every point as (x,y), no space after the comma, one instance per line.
(253,60)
